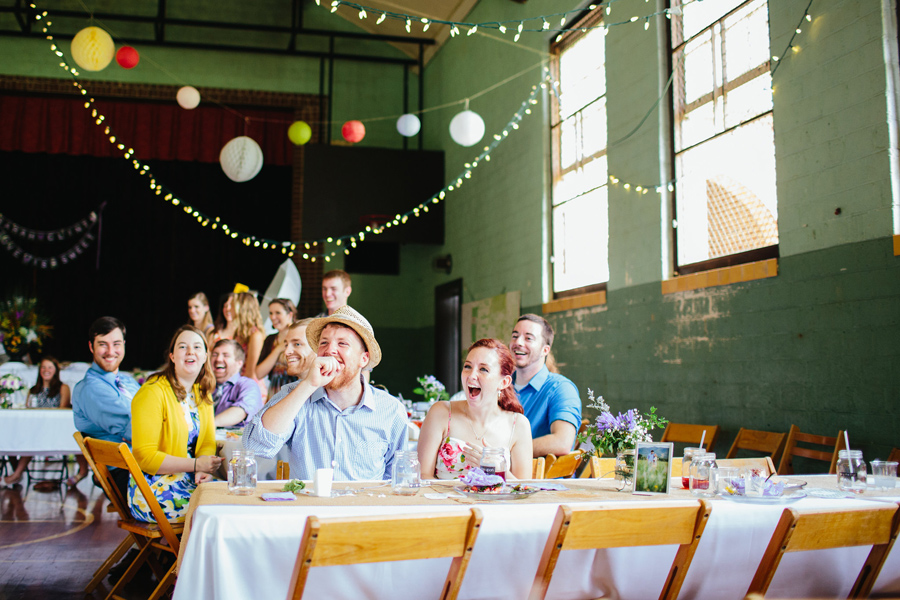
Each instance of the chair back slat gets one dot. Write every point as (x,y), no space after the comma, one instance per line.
(767,442)
(101,472)
(564,466)
(538,466)
(829,454)
(689,433)
(763,463)
(341,541)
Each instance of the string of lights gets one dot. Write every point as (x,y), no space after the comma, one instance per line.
(778,59)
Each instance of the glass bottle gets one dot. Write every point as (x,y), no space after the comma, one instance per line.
(242,472)
(851,471)
(493,462)
(686,466)
(406,473)
(700,483)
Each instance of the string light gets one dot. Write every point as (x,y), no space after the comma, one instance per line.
(791,46)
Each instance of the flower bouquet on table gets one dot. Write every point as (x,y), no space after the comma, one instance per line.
(431,388)
(9,384)
(22,328)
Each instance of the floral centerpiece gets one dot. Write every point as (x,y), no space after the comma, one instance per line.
(431,388)
(9,384)
(22,328)
(611,435)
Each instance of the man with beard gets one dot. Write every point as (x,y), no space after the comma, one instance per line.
(237,398)
(551,401)
(332,418)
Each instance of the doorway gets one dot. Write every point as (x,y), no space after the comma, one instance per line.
(447,333)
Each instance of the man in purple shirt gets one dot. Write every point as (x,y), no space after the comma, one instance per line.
(237,398)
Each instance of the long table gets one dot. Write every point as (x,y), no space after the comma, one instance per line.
(37,432)
(243,547)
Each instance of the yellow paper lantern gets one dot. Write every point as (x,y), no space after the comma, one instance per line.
(93,49)
(299,133)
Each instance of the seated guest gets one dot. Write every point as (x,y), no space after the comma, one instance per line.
(174,434)
(332,419)
(198,313)
(298,356)
(551,401)
(236,398)
(223,328)
(455,433)
(101,402)
(282,313)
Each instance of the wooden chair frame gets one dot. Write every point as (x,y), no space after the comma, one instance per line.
(282,470)
(689,433)
(767,442)
(759,462)
(786,466)
(584,528)
(348,541)
(564,466)
(799,531)
(148,536)
(538,467)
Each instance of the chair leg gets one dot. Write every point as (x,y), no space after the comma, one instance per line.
(101,573)
(131,571)
(164,584)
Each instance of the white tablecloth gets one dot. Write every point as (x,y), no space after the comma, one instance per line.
(249,552)
(37,432)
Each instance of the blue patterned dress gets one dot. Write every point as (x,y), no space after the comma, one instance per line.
(172,491)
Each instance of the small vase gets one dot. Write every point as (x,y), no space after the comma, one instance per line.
(625,469)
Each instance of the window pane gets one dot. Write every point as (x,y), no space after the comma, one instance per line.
(579,181)
(580,241)
(745,102)
(582,73)
(699,15)
(698,68)
(727,204)
(594,124)
(568,143)
(744,45)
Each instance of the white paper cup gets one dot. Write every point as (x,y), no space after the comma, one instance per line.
(322,482)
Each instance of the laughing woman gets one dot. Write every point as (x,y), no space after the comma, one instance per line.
(455,433)
(173,433)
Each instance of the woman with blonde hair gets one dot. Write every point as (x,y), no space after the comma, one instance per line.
(198,313)
(248,330)
(173,430)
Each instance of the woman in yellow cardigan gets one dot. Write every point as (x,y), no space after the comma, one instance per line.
(173,432)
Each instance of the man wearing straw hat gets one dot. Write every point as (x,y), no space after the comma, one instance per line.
(332,418)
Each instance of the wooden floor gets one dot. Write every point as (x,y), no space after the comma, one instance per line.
(50,544)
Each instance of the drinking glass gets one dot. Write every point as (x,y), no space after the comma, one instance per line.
(884,475)
(242,472)
(722,479)
(322,482)
(686,466)
(702,465)
(851,471)
(405,475)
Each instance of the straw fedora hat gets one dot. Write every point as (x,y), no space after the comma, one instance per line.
(355,321)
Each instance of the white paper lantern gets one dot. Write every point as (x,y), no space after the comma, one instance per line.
(241,159)
(93,49)
(467,128)
(188,97)
(408,125)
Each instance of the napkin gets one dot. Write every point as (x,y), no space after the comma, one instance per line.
(279,496)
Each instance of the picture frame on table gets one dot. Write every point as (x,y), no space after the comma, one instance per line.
(653,467)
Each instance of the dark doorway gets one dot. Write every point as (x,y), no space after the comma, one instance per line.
(447,332)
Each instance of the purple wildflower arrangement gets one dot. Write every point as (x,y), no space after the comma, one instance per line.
(610,434)
(431,388)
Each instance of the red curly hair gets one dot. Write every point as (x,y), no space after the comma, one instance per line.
(508,399)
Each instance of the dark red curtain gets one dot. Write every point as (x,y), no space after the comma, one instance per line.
(155,131)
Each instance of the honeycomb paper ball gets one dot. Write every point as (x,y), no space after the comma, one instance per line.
(299,133)
(353,131)
(93,49)
(241,159)
(127,57)
(188,97)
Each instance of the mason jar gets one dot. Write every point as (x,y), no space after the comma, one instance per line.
(242,472)
(702,465)
(851,471)
(405,474)
(493,462)
(686,466)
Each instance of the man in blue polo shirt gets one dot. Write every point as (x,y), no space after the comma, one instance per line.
(551,401)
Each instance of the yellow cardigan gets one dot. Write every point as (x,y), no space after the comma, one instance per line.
(158,427)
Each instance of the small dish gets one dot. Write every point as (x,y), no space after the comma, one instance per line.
(506,493)
(783,499)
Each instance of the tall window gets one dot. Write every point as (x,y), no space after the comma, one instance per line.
(580,206)
(724,139)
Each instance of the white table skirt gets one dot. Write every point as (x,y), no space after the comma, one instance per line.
(37,432)
(249,552)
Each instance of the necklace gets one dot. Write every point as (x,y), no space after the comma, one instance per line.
(472,427)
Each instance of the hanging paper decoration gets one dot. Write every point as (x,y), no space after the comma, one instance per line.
(127,57)
(188,97)
(47,236)
(408,125)
(93,49)
(299,133)
(353,131)
(467,128)
(241,159)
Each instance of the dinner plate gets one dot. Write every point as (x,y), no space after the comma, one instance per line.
(785,499)
(507,493)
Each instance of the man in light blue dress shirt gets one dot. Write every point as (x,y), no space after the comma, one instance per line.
(331,418)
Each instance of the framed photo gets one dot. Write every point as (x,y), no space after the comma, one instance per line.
(653,470)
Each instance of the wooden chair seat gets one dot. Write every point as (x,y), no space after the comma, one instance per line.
(149,530)
(688,433)
(800,531)
(349,541)
(584,528)
(828,451)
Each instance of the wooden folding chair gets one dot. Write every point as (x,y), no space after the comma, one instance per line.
(767,442)
(564,466)
(798,531)
(894,455)
(586,528)
(282,470)
(763,463)
(687,433)
(537,467)
(148,536)
(355,540)
(829,454)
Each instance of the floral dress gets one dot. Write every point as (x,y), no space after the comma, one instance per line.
(172,491)
(451,460)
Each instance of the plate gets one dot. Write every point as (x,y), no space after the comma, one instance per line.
(785,499)
(505,494)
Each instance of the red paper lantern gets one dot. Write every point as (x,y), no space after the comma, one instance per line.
(353,131)
(127,57)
